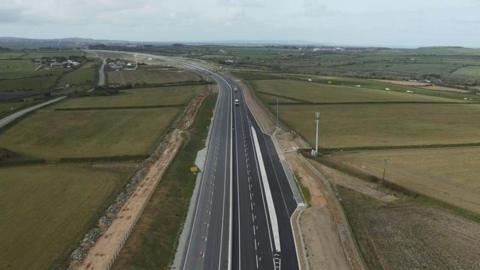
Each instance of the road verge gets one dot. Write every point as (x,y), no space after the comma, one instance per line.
(107,246)
(333,246)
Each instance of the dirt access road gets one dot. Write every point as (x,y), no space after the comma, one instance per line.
(105,250)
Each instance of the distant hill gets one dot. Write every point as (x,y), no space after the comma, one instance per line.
(68,43)
(63,43)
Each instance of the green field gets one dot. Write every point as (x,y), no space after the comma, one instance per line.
(52,53)
(46,209)
(434,63)
(18,72)
(11,54)
(315,92)
(272,99)
(363,125)
(32,83)
(160,96)
(17,69)
(91,133)
(82,78)
(13,69)
(471,71)
(9,107)
(147,76)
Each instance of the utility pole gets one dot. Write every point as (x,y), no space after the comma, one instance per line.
(277,110)
(317,122)
(385,161)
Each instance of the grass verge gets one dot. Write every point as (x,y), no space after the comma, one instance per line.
(307,196)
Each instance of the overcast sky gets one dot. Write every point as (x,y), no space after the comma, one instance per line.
(405,23)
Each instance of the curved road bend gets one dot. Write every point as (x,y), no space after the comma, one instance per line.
(232,168)
(208,242)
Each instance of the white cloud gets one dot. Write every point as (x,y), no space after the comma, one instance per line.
(382,22)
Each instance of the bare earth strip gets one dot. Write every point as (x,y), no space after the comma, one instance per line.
(105,250)
(424,85)
(406,83)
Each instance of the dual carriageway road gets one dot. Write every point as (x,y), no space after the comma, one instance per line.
(241,216)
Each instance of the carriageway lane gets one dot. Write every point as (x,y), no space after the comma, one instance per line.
(208,241)
(246,181)
(252,243)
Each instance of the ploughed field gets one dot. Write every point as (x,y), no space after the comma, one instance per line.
(449,174)
(411,234)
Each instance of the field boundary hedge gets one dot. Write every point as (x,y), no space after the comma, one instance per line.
(122,107)
(394,147)
(103,158)
(357,173)
(372,103)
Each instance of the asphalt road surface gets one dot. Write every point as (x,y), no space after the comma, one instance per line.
(101,73)
(208,245)
(235,225)
(17,115)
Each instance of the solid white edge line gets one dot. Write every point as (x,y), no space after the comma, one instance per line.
(224,190)
(238,203)
(201,186)
(231,180)
(294,223)
(230,234)
(231,162)
(268,194)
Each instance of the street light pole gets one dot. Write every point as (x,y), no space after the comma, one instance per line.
(317,121)
(277,110)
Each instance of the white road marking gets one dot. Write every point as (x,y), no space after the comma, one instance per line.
(268,193)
